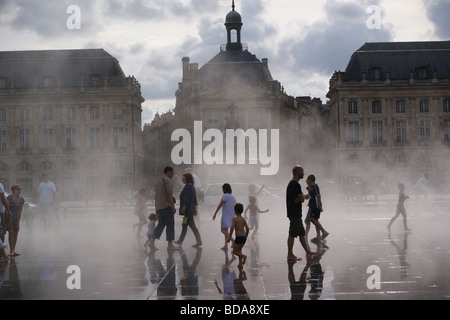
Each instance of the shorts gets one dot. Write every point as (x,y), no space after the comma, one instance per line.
(312,213)
(296,228)
(253,221)
(240,240)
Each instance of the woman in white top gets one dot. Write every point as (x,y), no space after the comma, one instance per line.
(227,204)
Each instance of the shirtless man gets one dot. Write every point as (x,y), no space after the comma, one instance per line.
(240,226)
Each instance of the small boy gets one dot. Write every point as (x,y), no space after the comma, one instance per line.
(315,208)
(151,228)
(240,226)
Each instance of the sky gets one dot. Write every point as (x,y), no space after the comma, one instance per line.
(304,41)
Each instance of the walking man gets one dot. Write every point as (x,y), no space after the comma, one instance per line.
(165,210)
(294,200)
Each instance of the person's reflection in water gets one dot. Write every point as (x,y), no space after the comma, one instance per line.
(10,289)
(404,266)
(190,282)
(239,289)
(297,287)
(167,288)
(228,278)
(316,276)
(316,273)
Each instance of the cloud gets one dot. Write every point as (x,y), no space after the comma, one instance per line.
(327,45)
(48,18)
(437,13)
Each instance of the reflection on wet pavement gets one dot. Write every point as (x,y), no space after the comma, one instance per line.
(360,260)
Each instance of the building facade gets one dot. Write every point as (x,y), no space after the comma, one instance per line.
(74,115)
(233,91)
(390,116)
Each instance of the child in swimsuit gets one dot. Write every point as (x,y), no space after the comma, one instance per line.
(240,226)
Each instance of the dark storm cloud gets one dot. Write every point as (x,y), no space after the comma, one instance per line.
(327,45)
(45,18)
(438,13)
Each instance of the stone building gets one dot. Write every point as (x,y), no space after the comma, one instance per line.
(234,90)
(74,115)
(390,116)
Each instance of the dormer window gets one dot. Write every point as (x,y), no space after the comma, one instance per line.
(421,73)
(3,83)
(95,80)
(49,82)
(375,73)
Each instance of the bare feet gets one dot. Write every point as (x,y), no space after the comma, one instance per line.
(294,258)
(324,236)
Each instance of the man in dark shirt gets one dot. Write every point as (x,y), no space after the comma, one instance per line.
(294,200)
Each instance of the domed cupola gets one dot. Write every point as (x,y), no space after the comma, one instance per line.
(233,21)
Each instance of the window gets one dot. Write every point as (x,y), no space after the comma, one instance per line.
(353,132)
(402,158)
(446,106)
(421,73)
(24,115)
(71,165)
(71,134)
(48,114)
(24,143)
(49,82)
(95,80)
(400,132)
(3,83)
(47,165)
(447,130)
(354,158)
(377,129)
(2,115)
(424,130)
(24,166)
(375,73)
(118,113)
(376,107)
(353,107)
(94,138)
(48,139)
(400,106)
(2,140)
(71,114)
(118,138)
(213,117)
(94,113)
(424,106)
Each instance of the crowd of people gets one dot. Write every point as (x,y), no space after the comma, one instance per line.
(233,222)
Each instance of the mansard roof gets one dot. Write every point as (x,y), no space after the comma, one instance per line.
(400,59)
(27,69)
(228,66)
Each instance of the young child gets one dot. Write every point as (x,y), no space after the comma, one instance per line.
(400,207)
(240,226)
(315,208)
(253,219)
(151,228)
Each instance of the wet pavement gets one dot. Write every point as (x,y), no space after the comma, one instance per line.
(360,260)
